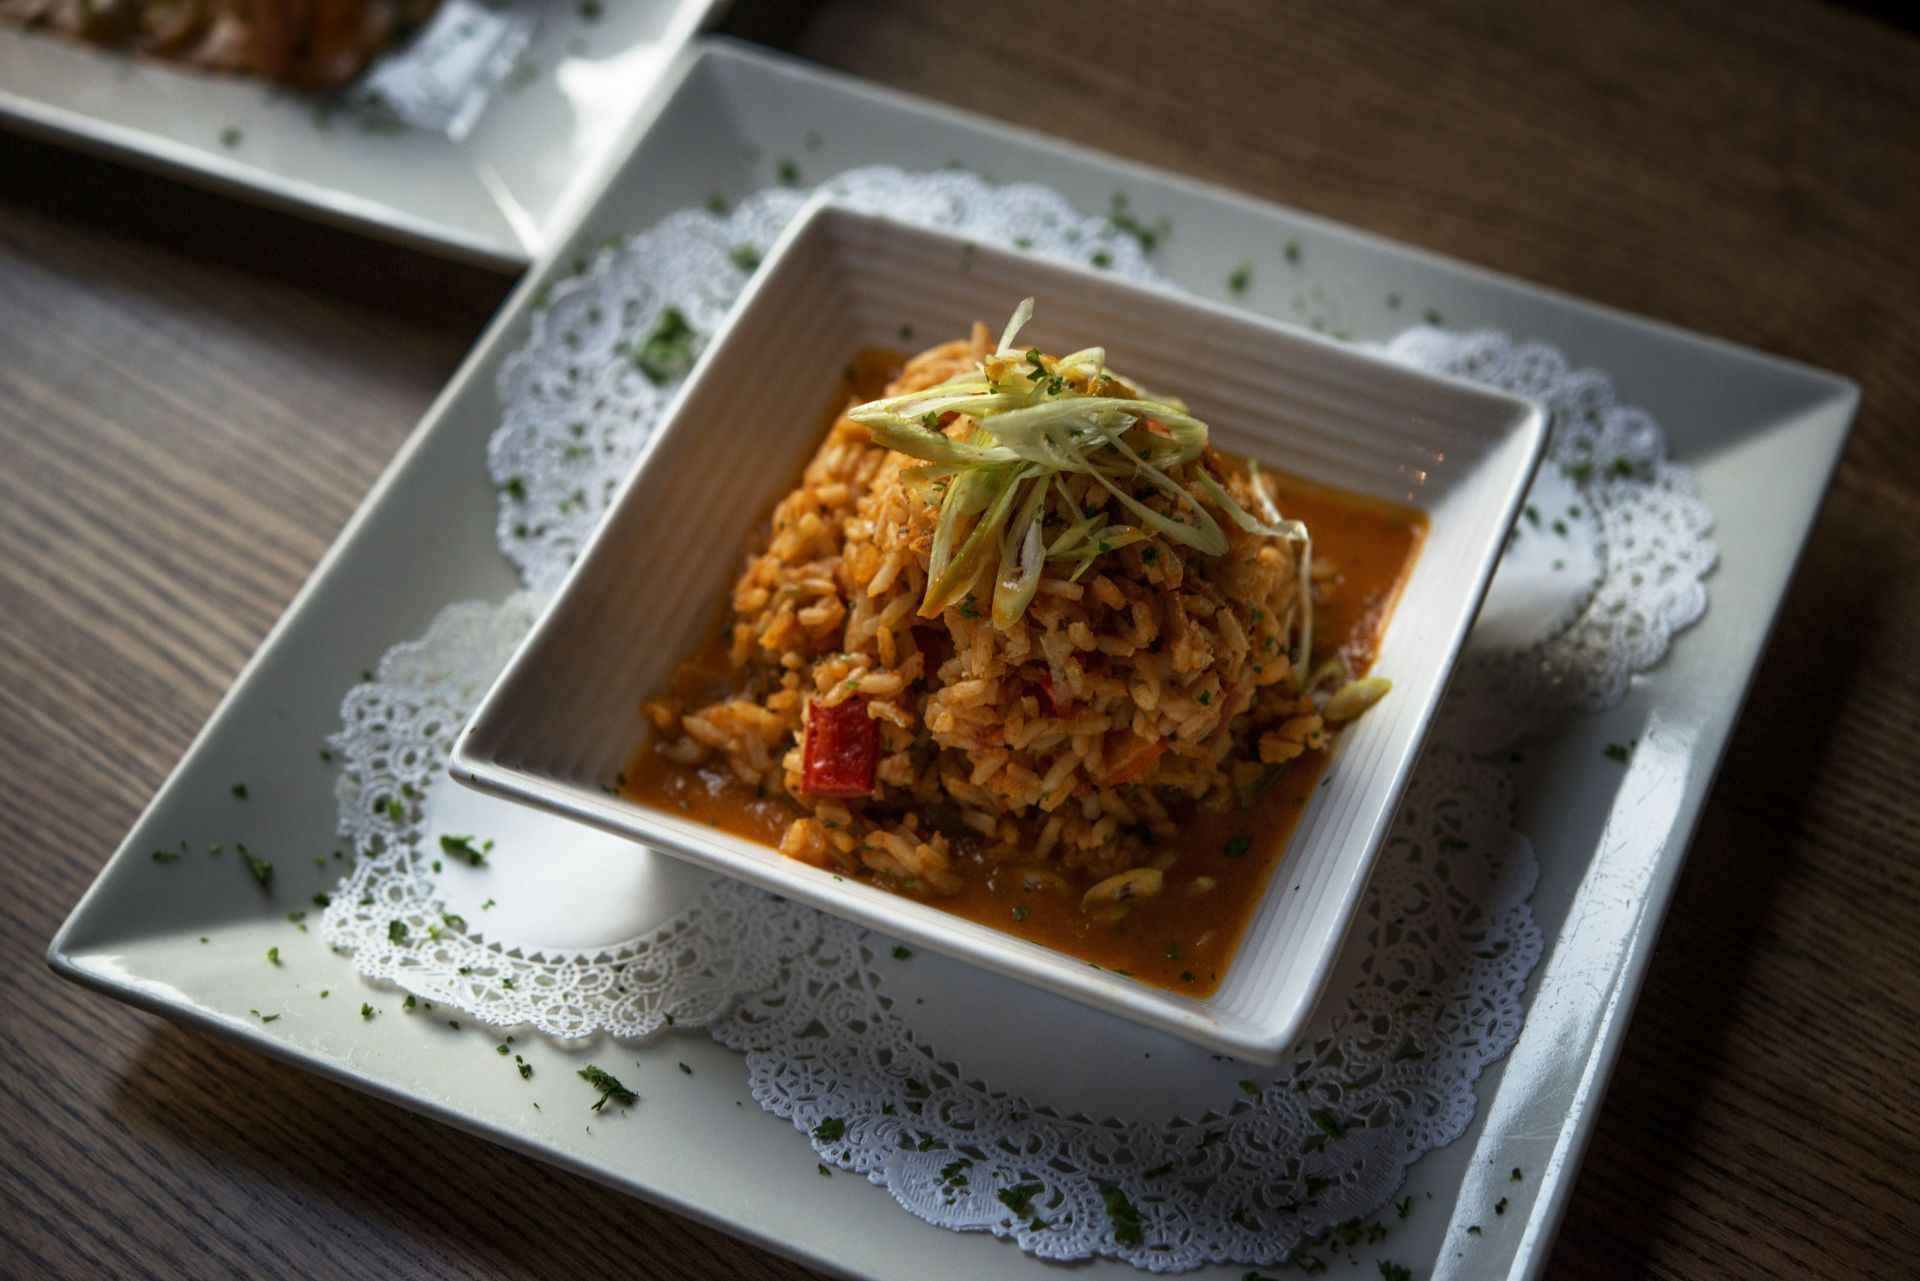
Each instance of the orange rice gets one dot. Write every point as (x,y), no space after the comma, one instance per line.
(1160,680)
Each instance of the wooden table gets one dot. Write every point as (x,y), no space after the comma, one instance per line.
(194,395)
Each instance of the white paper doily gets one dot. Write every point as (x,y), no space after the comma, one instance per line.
(1427,994)
(1605,564)
(1247,1166)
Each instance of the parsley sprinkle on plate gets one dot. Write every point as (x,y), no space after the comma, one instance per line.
(608,1085)
(261,869)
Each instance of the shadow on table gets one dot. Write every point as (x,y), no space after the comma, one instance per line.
(1658,1114)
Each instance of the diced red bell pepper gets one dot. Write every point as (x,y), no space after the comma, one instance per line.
(842,749)
(1129,755)
(1058,698)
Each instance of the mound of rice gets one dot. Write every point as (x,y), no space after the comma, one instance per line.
(1073,739)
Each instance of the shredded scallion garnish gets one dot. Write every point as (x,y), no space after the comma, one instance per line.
(1037,420)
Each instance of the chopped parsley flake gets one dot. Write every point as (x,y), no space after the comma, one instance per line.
(821,1168)
(830,1130)
(1126,1218)
(1291,252)
(667,351)
(1329,1125)
(900,953)
(366,1010)
(1019,912)
(1239,278)
(1621,752)
(787,171)
(397,931)
(1237,846)
(464,847)
(1249,1089)
(1124,222)
(1390,1271)
(239,791)
(273,956)
(1019,1197)
(262,870)
(609,1087)
(1500,1206)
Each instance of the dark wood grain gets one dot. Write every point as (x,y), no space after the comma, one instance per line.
(194,395)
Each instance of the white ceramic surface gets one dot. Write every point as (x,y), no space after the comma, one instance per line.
(1760,434)
(499,195)
(564,718)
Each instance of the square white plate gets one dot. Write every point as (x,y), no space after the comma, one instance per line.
(1760,434)
(564,718)
(499,195)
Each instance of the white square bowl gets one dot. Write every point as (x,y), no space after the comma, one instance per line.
(564,719)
